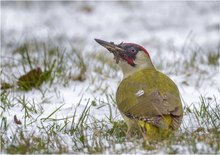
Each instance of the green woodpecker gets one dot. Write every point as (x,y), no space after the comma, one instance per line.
(146,98)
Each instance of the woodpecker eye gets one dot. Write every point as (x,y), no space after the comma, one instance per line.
(133,50)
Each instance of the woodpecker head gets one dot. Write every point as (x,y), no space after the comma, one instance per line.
(130,56)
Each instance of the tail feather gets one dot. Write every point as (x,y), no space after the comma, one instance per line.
(161,130)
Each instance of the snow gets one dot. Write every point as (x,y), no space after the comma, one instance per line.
(155,25)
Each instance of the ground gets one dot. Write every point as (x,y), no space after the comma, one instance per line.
(70,107)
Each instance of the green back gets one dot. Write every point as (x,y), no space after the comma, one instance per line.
(150,81)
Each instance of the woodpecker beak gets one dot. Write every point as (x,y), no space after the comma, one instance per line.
(113,48)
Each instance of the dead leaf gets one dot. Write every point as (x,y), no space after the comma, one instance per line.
(16,120)
(33,78)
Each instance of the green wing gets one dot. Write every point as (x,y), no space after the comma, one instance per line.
(149,95)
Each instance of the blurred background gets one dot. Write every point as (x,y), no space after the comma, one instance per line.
(181,37)
(156,25)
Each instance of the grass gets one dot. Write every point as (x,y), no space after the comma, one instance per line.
(51,124)
(90,135)
(194,59)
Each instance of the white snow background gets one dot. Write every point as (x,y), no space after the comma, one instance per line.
(166,29)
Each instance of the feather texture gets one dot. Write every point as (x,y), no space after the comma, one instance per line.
(151,99)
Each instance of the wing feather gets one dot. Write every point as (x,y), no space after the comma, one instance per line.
(159,97)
